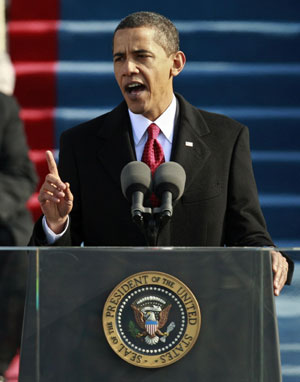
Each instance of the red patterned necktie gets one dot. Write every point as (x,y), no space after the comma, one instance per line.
(153,155)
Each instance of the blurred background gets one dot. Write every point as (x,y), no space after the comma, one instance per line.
(243,60)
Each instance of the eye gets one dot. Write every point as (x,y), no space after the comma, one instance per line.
(143,55)
(118,58)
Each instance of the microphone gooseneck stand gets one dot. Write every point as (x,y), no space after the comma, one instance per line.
(151,221)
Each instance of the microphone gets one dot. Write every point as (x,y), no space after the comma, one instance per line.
(136,183)
(169,182)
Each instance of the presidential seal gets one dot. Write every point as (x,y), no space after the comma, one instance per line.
(151,319)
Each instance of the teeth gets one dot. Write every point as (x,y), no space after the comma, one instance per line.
(133,85)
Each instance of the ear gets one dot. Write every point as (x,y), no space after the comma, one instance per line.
(179,61)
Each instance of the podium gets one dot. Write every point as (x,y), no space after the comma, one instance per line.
(63,336)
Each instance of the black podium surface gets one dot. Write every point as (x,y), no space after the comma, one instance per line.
(63,337)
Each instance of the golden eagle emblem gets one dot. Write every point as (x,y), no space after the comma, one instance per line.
(151,319)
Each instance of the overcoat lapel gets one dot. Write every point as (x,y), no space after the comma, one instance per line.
(115,148)
(189,149)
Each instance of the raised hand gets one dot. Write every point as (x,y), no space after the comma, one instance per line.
(55,197)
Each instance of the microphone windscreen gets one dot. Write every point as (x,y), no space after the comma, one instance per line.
(169,176)
(136,176)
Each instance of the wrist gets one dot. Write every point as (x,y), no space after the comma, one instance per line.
(58,226)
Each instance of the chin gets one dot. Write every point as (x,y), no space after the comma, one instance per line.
(136,109)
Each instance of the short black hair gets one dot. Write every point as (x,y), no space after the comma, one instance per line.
(167,34)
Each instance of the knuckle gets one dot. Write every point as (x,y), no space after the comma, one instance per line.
(49,178)
(41,196)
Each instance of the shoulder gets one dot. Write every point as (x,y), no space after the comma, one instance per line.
(96,126)
(85,128)
(220,120)
(210,122)
(223,127)
(8,107)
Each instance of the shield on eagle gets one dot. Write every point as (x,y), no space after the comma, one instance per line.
(151,327)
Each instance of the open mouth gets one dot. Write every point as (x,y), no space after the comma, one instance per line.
(134,88)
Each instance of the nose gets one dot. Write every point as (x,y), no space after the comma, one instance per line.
(129,67)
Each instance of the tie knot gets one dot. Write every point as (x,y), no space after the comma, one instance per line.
(153,131)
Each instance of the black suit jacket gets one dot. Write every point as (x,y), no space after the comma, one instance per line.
(220,203)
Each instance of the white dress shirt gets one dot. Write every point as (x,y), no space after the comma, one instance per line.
(166,124)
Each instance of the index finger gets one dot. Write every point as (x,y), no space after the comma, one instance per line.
(52,167)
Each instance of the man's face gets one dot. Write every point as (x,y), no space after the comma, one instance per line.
(144,71)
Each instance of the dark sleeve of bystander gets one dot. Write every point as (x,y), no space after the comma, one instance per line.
(18,178)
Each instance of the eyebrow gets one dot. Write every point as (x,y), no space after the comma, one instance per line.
(142,51)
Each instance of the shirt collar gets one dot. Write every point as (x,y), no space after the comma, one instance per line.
(165,122)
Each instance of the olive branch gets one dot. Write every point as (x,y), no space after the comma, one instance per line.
(133,330)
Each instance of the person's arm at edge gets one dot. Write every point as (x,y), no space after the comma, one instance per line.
(248,217)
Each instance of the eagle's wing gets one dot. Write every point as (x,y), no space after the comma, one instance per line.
(163,316)
(139,317)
